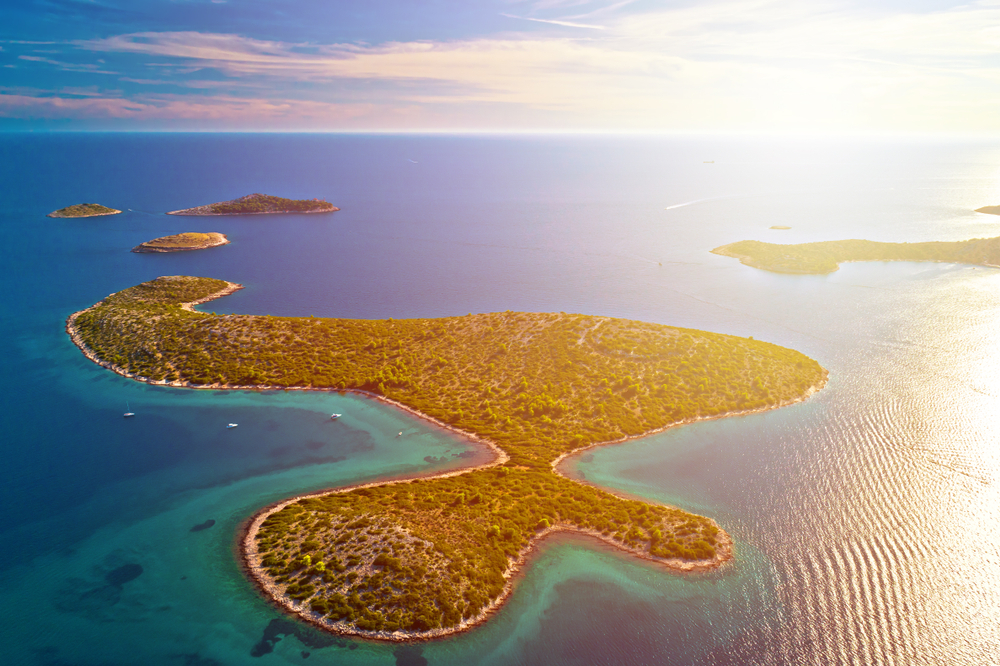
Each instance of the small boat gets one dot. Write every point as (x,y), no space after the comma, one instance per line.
(129,412)
(334,417)
(232,425)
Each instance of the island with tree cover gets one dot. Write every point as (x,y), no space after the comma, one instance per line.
(260,204)
(826,256)
(84,210)
(425,557)
(183,242)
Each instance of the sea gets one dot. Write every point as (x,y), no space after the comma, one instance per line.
(865,519)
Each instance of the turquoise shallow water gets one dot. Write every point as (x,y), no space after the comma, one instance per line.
(865,518)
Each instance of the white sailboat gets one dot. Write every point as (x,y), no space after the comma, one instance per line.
(232,425)
(129,412)
(334,417)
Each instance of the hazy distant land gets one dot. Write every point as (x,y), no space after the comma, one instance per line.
(259,204)
(183,242)
(84,210)
(826,256)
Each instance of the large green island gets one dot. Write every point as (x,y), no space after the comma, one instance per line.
(84,210)
(826,256)
(260,204)
(425,557)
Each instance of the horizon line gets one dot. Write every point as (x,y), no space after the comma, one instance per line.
(869,134)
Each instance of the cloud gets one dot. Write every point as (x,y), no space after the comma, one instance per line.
(66,66)
(524,71)
(719,64)
(225,112)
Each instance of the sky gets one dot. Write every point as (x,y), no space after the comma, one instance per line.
(838,66)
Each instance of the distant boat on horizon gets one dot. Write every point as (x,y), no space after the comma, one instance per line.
(232,425)
(129,412)
(334,417)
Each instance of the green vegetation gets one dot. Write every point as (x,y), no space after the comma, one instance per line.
(826,256)
(260,203)
(182,242)
(84,210)
(430,554)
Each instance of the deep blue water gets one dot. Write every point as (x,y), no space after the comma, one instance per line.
(865,518)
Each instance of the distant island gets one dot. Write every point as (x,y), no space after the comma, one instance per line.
(183,242)
(780,227)
(826,256)
(425,557)
(992,210)
(259,204)
(83,210)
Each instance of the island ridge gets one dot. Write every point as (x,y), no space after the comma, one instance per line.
(421,558)
(183,242)
(259,204)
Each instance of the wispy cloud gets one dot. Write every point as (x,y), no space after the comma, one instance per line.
(199,84)
(224,111)
(567,24)
(600,11)
(66,66)
(485,69)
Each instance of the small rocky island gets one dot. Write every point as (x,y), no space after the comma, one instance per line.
(826,256)
(183,242)
(260,204)
(83,210)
